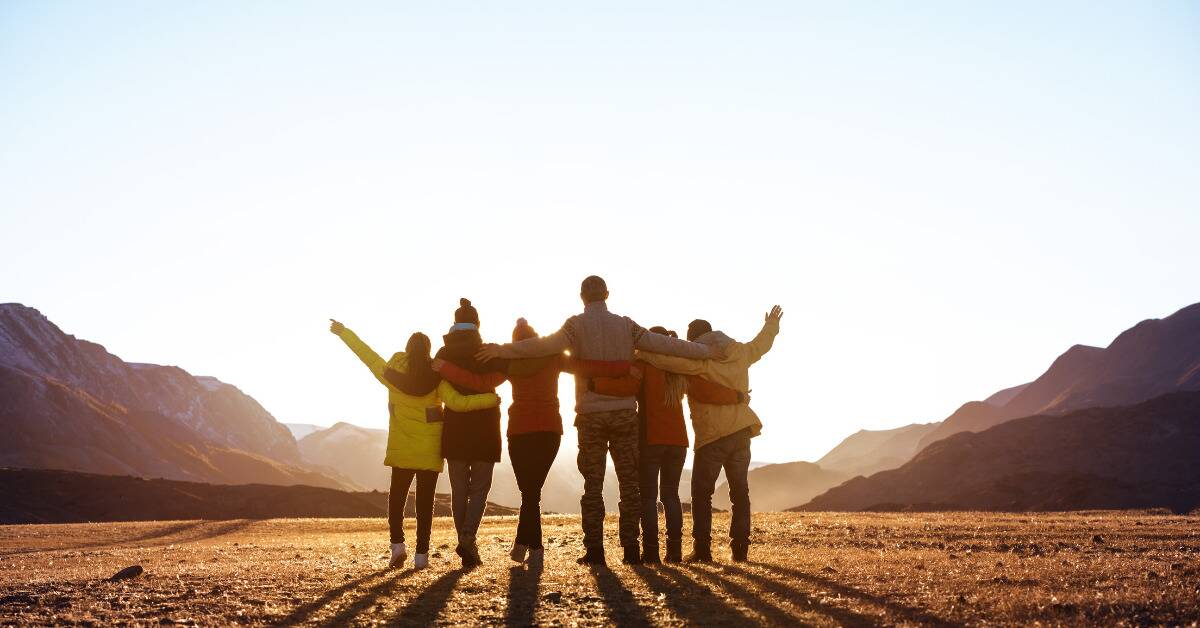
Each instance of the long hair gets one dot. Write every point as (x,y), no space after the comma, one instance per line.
(419,361)
(676,384)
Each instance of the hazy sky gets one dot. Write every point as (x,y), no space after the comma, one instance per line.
(943,197)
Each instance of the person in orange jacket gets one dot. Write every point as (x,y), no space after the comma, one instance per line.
(664,442)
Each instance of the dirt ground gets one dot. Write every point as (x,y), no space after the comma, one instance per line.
(812,568)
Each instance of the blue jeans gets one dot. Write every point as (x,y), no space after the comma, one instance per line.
(733,454)
(659,466)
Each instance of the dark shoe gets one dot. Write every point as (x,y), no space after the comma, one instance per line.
(741,553)
(592,557)
(650,555)
(700,555)
(674,551)
(632,556)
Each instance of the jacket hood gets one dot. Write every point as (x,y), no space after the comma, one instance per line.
(715,339)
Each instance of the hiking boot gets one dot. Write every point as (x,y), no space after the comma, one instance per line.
(632,556)
(741,553)
(536,559)
(473,552)
(421,561)
(592,557)
(399,555)
(519,552)
(674,551)
(700,555)
(650,555)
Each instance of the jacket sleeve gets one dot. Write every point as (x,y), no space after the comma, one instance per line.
(541,346)
(658,343)
(763,341)
(474,381)
(466,403)
(672,364)
(376,364)
(627,386)
(703,391)
(596,368)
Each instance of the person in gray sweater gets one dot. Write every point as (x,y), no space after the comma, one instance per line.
(606,425)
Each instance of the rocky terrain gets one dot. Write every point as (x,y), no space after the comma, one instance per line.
(821,569)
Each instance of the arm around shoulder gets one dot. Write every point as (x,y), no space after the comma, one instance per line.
(466,403)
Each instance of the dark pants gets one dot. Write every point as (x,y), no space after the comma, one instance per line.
(532,454)
(401,481)
(661,466)
(733,454)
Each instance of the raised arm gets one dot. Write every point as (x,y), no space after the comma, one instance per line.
(376,364)
(465,378)
(766,337)
(466,403)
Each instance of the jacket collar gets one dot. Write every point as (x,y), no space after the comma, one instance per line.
(595,306)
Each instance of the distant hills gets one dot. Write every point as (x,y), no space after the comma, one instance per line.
(1152,358)
(53,496)
(776,487)
(1137,456)
(69,404)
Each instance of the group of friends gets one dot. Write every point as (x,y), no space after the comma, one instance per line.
(629,389)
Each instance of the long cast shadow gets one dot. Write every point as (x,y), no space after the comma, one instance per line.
(304,612)
(776,615)
(523,587)
(424,609)
(907,612)
(161,536)
(624,609)
(690,601)
(366,600)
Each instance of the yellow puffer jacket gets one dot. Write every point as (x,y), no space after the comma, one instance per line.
(715,422)
(414,442)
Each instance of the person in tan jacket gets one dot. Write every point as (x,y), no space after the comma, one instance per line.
(723,432)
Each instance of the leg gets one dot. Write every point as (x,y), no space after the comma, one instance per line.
(481,483)
(737,469)
(460,476)
(593,448)
(397,496)
(547,450)
(426,481)
(705,468)
(672,468)
(521,453)
(623,433)
(649,459)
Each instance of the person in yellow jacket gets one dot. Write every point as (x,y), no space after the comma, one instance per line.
(414,449)
(723,432)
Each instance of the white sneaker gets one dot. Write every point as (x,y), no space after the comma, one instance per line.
(420,561)
(399,555)
(518,552)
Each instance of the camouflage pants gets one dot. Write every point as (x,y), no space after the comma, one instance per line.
(600,434)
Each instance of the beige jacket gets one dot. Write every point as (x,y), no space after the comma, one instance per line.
(710,422)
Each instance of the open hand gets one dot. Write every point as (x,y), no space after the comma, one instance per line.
(336,328)
(774,315)
(437,364)
(488,352)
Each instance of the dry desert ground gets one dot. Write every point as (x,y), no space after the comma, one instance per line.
(1101,568)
